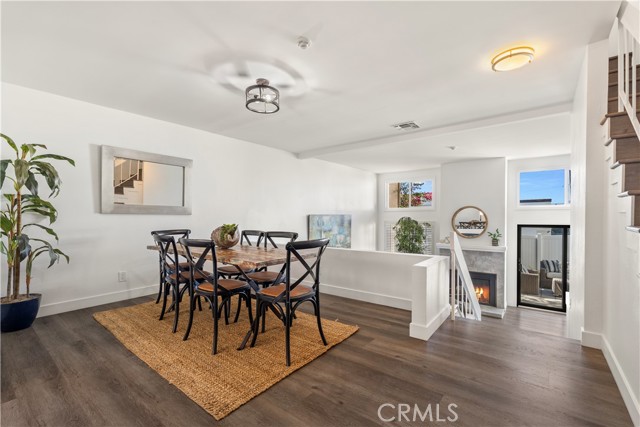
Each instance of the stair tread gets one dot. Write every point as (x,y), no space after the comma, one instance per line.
(629,193)
(633,229)
(623,136)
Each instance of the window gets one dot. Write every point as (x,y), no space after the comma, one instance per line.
(390,237)
(416,194)
(544,188)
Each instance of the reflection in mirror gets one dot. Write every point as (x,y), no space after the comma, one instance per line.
(469,222)
(138,182)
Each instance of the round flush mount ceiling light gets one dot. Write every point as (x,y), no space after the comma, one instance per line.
(262,98)
(512,59)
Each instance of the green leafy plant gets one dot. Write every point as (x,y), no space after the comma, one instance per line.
(16,244)
(409,236)
(228,230)
(496,235)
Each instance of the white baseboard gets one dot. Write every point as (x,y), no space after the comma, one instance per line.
(599,341)
(92,301)
(374,298)
(424,332)
(591,339)
(623,384)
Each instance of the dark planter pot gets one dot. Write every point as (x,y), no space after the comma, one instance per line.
(495,242)
(18,315)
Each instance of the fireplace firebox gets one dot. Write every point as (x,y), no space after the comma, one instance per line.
(485,286)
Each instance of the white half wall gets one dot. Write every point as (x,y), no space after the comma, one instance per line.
(383,278)
(543,215)
(233,181)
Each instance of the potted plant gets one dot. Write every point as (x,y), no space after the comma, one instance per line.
(225,236)
(20,211)
(409,236)
(495,237)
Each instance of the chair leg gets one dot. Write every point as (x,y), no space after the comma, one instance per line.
(159,293)
(287,333)
(192,308)
(247,296)
(226,303)
(264,317)
(164,302)
(256,324)
(199,304)
(177,307)
(316,307)
(214,311)
(235,320)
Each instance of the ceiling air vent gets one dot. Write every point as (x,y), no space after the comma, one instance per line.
(406,126)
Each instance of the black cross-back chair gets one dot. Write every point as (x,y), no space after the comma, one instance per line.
(291,295)
(266,278)
(172,278)
(231,271)
(182,266)
(209,286)
(270,235)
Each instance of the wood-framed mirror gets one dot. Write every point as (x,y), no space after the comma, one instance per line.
(469,222)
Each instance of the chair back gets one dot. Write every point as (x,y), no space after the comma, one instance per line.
(270,235)
(313,270)
(197,260)
(245,236)
(182,232)
(168,251)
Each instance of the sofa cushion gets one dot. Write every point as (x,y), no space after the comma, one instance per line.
(551,266)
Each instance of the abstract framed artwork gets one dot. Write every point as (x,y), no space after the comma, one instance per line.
(336,228)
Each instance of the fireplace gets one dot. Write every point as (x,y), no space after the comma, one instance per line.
(485,285)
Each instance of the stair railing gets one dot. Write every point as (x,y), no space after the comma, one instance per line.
(132,173)
(628,49)
(464,301)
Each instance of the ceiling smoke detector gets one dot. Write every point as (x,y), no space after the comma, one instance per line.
(304,43)
(406,125)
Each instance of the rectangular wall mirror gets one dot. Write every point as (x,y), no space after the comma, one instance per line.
(136,182)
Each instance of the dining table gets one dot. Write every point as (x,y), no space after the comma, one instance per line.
(245,258)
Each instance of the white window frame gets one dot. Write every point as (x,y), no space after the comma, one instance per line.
(413,208)
(567,189)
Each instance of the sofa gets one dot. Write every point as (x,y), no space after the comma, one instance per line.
(549,270)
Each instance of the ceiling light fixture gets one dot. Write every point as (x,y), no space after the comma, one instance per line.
(262,98)
(512,59)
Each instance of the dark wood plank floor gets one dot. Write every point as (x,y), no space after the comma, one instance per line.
(67,370)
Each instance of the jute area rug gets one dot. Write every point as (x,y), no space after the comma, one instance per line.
(222,383)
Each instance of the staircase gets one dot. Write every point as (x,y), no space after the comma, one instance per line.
(127,183)
(622,124)
(463,299)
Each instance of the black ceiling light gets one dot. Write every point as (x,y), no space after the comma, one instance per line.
(262,98)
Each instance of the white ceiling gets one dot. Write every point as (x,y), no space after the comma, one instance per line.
(371,64)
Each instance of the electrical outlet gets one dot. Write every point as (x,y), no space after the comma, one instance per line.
(122,276)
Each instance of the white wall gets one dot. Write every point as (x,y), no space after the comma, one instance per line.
(430,215)
(233,181)
(605,265)
(480,183)
(544,215)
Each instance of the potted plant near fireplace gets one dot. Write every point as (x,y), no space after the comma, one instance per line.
(22,207)
(495,237)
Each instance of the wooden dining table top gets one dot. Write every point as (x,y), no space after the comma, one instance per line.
(244,256)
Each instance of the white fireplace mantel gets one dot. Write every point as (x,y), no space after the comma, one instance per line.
(474,248)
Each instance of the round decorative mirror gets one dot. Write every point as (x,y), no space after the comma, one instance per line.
(469,222)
